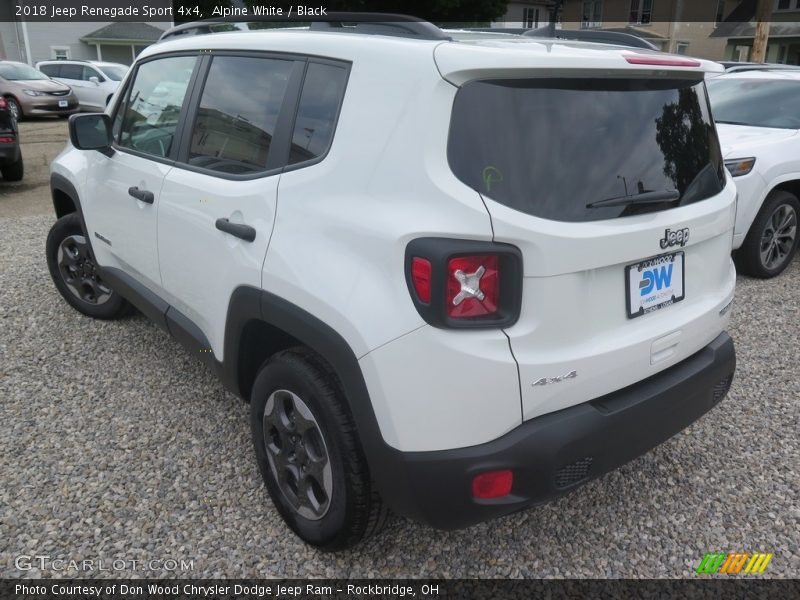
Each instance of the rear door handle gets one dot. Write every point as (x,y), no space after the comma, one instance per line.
(142,195)
(244,232)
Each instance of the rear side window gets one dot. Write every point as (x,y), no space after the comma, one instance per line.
(51,70)
(317,113)
(72,72)
(553,148)
(238,113)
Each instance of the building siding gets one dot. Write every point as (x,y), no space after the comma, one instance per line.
(44,36)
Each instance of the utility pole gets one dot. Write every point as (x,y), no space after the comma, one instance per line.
(763,12)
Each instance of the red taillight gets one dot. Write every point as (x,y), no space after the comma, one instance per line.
(3,103)
(473,286)
(421,277)
(662,61)
(7,139)
(494,484)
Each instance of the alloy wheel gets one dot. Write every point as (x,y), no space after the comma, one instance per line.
(79,271)
(298,455)
(778,237)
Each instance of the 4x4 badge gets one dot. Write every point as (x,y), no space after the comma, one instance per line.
(674,238)
(546,380)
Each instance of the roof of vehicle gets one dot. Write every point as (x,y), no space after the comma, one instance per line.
(777,74)
(96,63)
(475,52)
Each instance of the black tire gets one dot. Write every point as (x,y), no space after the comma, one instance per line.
(14,171)
(353,510)
(14,108)
(72,267)
(778,243)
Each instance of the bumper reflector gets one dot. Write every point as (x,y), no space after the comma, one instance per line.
(493,484)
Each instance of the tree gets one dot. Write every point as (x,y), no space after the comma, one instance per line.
(682,126)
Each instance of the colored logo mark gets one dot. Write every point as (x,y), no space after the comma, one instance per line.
(733,564)
(658,278)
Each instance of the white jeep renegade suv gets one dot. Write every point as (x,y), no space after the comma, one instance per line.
(453,278)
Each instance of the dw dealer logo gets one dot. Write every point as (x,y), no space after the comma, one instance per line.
(734,564)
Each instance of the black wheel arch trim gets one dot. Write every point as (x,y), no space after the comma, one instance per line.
(59,183)
(247,304)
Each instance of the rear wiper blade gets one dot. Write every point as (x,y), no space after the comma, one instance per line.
(641,198)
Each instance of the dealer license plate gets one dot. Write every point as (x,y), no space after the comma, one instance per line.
(654,284)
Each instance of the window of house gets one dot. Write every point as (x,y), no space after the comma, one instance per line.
(59,52)
(150,115)
(238,114)
(681,48)
(530,18)
(783,5)
(592,14)
(318,111)
(641,12)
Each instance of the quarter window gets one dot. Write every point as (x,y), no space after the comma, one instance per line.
(238,113)
(317,113)
(150,116)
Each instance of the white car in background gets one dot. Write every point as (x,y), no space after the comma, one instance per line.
(93,82)
(757,113)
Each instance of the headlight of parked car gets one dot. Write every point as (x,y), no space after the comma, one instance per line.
(740,166)
(33,93)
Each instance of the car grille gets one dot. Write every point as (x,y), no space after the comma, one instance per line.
(59,93)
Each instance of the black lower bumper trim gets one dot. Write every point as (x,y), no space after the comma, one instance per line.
(554,453)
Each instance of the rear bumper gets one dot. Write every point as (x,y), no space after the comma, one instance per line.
(9,153)
(552,454)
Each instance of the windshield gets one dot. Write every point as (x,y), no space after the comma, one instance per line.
(20,72)
(114,73)
(586,149)
(756,102)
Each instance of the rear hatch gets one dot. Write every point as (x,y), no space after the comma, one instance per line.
(611,183)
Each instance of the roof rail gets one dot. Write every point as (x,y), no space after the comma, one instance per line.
(344,22)
(598,36)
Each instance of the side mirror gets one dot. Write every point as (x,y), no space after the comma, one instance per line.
(94,80)
(91,131)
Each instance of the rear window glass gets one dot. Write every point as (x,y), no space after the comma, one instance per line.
(553,148)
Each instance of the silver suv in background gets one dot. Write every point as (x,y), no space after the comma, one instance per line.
(93,82)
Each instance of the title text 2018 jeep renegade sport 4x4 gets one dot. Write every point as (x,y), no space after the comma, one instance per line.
(453,278)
